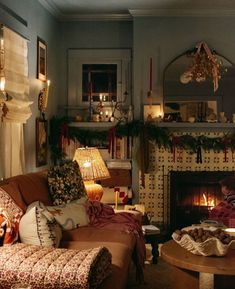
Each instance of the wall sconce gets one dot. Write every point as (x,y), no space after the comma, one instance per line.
(43,98)
(3,95)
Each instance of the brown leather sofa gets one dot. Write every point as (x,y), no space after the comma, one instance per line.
(25,189)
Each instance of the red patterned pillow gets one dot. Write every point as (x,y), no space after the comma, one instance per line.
(10,215)
(223,212)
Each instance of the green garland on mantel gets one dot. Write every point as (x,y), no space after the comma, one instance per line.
(163,137)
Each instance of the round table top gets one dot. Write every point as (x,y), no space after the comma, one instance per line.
(174,254)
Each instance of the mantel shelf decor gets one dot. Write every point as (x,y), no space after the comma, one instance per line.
(162,136)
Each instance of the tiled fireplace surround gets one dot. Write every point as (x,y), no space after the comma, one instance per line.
(156,192)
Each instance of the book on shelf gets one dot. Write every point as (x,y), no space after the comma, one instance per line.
(118,164)
(150,229)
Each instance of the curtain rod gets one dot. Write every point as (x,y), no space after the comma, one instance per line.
(3,25)
(13,14)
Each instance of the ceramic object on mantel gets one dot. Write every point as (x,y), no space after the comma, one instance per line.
(222,117)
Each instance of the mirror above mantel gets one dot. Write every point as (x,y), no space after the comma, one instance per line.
(199,99)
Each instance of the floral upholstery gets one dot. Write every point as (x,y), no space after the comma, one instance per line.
(46,267)
(65,183)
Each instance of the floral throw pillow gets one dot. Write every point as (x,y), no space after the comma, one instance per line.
(65,183)
(10,215)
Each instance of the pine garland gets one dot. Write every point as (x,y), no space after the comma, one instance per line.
(161,136)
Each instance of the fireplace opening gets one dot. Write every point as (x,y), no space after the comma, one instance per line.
(193,195)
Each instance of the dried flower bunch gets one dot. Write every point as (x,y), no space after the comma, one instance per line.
(204,64)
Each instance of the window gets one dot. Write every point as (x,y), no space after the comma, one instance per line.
(99,81)
(96,73)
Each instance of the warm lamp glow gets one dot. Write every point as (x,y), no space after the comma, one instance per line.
(92,168)
(2,83)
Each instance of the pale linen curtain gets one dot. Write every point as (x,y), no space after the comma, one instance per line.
(17,109)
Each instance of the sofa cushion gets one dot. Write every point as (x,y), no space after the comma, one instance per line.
(12,189)
(39,227)
(70,216)
(10,215)
(34,187)
(65,183)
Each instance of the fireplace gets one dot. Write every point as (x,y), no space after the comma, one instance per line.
(193,195)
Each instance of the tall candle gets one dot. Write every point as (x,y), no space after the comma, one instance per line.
(150,75)
(47,92)
(116,200)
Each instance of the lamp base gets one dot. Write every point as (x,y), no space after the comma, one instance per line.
(94,191)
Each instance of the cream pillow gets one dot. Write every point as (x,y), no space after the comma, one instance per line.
(39,227)
(72,215)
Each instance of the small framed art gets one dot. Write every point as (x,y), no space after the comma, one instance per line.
(41,142)
(152,112)
(41,59)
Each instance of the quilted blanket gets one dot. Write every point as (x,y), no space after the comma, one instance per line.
(47,267)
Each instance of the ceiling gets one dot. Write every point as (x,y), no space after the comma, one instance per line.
(126,9)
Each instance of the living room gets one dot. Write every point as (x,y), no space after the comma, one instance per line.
(154,33)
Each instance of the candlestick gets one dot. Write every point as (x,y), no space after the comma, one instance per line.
(150,75)
(116,199)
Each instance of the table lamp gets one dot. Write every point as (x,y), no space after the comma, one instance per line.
(92,168)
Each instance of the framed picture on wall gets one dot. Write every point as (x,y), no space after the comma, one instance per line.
(152,112)
(41,142)
(41,59)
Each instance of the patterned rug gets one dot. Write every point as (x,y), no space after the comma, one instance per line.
(157,276)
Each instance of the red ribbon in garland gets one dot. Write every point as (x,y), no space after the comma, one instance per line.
(111,137)
(64,134)
(226,143)
(175,143)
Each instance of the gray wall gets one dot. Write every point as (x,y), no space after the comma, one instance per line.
(93,34)
(165,38)
(42,24)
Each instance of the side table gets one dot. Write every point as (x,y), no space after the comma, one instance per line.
(151,234)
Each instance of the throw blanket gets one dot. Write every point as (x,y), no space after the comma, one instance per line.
(103,216)
(47,267)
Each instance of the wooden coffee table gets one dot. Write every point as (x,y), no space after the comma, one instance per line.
(199,272)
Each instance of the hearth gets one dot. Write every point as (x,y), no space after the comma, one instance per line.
(193,195)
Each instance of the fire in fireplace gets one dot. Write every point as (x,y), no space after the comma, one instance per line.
(193,195)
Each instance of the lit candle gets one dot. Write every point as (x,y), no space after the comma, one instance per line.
(2,44)
(47,92)
(2,83)
(116,200)
(104,97)
(150,75)
(101,97)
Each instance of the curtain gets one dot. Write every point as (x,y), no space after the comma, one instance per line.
(16,110)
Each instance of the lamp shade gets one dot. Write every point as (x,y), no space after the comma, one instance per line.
(91,164)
